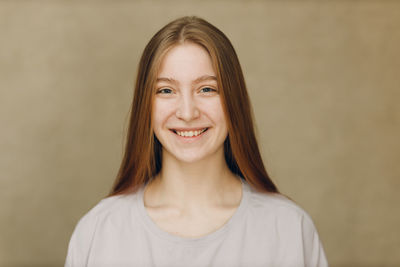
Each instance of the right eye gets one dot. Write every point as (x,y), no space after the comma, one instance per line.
(164,91)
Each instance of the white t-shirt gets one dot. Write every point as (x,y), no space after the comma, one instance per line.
(266,229)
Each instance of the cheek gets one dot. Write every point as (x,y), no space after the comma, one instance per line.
(161,111)
(214,110)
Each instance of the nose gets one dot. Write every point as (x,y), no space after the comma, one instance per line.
(187,109)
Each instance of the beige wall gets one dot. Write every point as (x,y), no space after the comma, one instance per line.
(324,81)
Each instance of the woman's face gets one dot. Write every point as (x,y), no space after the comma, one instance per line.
(187,115)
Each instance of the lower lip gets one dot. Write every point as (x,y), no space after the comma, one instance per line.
(188,139)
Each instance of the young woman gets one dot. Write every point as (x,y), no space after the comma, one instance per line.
(192,189)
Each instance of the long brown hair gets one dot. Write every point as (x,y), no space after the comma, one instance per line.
(143,151)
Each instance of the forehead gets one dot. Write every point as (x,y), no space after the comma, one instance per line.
(186,61)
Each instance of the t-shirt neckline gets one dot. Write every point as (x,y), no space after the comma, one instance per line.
(219,233)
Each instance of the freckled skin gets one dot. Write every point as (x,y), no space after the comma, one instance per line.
(183,104)
(195,193)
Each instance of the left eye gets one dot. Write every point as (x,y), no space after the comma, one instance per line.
(208,89)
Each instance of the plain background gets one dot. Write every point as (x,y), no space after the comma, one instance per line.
(323,77)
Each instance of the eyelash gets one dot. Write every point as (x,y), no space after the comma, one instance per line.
(160,91)
(212,89)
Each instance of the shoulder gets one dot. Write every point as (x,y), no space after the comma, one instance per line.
(281,209)
(282,218)
(110,208)
(275,202)
(109,212)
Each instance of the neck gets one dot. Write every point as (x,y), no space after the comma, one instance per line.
(190,186)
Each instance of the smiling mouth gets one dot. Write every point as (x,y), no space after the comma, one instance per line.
(189,134)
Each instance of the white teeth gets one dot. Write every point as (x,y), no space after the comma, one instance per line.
(190,133)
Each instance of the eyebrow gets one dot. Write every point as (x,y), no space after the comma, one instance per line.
(198,80)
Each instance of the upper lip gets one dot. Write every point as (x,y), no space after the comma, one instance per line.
(188,129)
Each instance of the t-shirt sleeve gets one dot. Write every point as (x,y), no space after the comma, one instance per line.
(314,254)
(81,241)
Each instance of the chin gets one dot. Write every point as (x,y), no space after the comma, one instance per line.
(188,159)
